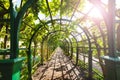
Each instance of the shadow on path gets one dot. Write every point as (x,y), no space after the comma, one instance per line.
(59,67)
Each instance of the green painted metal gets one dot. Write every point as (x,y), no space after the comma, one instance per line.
(15,22)
(10,69)
(76,48)
(4,52)
(29,65)
(111,28)
(113,72)
(71,48)
(29,48)
(42,59)
(111,61)
(13,42)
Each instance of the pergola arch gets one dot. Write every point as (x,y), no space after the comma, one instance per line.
(74,17)
(89,42)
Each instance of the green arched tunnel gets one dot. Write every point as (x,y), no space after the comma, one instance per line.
(32,29)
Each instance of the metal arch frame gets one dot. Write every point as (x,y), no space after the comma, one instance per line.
(44,38)
(55,32)
(15,22)
(29,50)
(54,35)
(79,35)
(109,23)
(103,37)
(71,48)
(66,40)
(42,26)
(66,47)
(76,48)
(14,47)
(90,53)
(89,42)
(16,36)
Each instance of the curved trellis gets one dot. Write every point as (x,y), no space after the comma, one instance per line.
(90,54)
(107,37)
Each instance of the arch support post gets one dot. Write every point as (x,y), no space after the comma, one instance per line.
(15,22)
(10,68)
(77,55)
(29,65)
(13,32)
(111,60)
(71,53)
(42,59)
(90,65)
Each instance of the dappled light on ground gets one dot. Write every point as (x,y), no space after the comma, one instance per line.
(59,67)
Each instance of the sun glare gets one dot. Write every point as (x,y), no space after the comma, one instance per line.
(41,16)
(95,13)
(16,3)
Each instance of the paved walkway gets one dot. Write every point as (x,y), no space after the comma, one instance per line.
(58,68)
